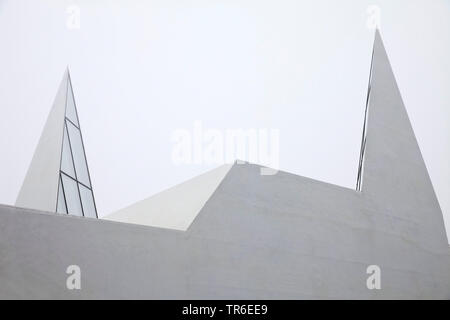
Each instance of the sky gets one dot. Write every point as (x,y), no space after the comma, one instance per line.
(142,70)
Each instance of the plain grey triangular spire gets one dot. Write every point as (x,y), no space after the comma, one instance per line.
(40,187)
(393,170)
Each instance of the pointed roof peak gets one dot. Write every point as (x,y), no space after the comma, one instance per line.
(58,177)
(377,37)
(40,186)
(66,73)
(377,31)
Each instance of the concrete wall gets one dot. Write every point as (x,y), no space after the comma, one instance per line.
(280,236)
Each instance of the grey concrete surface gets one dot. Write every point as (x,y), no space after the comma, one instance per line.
(257,237)
(40,186)
(272,237)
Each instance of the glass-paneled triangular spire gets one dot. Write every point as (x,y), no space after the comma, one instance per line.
(66,160)
(77,196)
(71,110)
(58,176)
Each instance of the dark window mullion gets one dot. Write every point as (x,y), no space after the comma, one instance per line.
(95,205)
(62,147)
(70,150)
(74,168)
(87,168)
(78,188)
(364,133)
(81,201)
(74,103)
(64,192)
(84,149)
(69,86)
(76,180)
(73,123)
(57,193)
(79,192)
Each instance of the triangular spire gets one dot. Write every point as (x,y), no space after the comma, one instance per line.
(40,187)
(58,177)
(392,168)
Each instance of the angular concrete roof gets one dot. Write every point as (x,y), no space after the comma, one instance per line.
(391,163)
(256,236)
(174,208)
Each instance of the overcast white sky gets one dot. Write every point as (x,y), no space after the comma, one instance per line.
(142,69)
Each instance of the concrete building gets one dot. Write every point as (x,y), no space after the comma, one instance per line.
(236,234)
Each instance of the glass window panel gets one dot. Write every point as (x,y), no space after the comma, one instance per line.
(72,196)
(78,154)
(61,207)
(71,112)
(66,161)
(87,199)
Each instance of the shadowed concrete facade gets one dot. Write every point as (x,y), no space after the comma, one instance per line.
(256,237)
(272,237)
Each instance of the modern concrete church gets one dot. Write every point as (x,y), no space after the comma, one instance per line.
(233,233)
